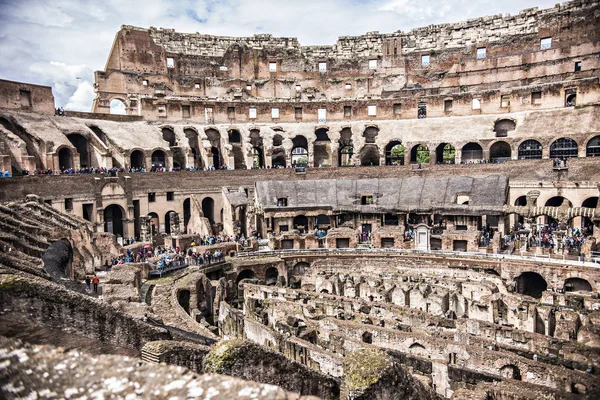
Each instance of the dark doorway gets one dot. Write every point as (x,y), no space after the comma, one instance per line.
(65,158)
(208,208)
(531,284)
(82,146)
(113,220)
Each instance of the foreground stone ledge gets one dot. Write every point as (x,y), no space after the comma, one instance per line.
(244,359)
(373,374)
(48,372)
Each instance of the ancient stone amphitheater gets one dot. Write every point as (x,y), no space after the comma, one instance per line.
(411,215)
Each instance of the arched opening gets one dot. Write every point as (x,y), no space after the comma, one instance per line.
(345,157)
(503,126)
(234,136)
(214,137)
(183,298)
(521,201)
(369,156)
(159,159)
(322,135)
(208,209)
(257,158)
(245,274)
(367,337)
(257,148)
(530,150)
(278,158)
(471,152)
(271,276)
(394,153)
(500,152)
(192,137)
(531,284)
(370,134)
(117,107)
(216,158)
(187,213)
(586,223)
(510,372)
(136,159)
(235,139)
(168,222)
(58,259)
(322,220)
(179,158)
(82,146)
(65,158)
(299,157)
(419,154)
(277,140)
(113,220)
(445,153)
(563,148)
(154,223)
(577,285)
(299,152)
(557,201)
(169,136)
(571,100)
(301,223)
(346,148)
(590,202)
(593,147)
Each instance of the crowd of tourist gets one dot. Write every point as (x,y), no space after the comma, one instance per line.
(547,237)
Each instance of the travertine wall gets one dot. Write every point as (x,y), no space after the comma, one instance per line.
(166,75)
(26,97)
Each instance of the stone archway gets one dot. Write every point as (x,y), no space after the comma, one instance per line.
(113,220)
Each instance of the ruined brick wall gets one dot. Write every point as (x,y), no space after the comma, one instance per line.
(26,97)
(178,75)
(58,308)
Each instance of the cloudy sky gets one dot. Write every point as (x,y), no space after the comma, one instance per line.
(62,42)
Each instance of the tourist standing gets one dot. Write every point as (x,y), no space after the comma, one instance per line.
(95,282)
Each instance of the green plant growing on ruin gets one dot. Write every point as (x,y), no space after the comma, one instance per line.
(222,356)
(363,368)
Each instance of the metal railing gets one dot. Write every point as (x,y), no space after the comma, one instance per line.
(490,256)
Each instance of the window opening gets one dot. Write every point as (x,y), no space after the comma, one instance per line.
(546,43)
(185,111)
(347,111)
(425,60)
(447,105)
(422,110)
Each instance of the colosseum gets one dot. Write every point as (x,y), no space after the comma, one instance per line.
(406,215)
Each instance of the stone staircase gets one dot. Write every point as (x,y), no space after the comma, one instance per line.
(150,356)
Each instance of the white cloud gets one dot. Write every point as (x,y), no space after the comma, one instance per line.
(54,42)
(82,99)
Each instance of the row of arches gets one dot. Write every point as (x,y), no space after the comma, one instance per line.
(114,215)
(394,153)
(533,284)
